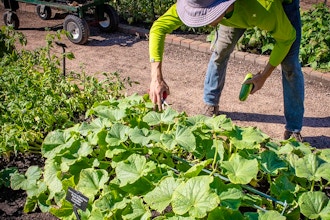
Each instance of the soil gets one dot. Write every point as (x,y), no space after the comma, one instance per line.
(184,71)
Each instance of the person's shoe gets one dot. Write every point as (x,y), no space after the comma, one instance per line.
(291,134)
(210,110)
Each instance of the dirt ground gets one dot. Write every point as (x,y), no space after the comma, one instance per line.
(184,72)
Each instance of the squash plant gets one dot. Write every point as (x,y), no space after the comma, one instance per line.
(134,163)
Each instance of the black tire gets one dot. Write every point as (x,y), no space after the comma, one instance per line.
(111,19)
(11,19)
(46,14)
(77,28)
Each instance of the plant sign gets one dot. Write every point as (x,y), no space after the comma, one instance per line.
(77,199)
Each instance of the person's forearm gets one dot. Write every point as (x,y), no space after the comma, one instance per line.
(158,86)
(165,24)
(268,70)
(162,26)
(156,72)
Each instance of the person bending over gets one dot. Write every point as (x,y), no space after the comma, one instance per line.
(232,17)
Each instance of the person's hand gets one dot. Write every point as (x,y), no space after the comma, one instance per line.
(259,79)
(158,86)
(157,91)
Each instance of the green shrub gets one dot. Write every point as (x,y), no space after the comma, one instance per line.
(315,43)
(256,41)
(145,12)
(35,96)
(141,11)
(8,39)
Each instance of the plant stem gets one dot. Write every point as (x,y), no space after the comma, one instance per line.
(215,153)
(312,186)
(122,144)
(148,180)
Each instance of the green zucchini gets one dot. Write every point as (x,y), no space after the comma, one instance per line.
(246,88)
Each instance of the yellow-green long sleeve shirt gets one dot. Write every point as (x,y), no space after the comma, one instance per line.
(246,14)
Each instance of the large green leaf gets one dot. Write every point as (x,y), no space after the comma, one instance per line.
(139,136)
(92,127)
(185,138)
(95,130)
(5,175)
(30,204)
(271,163)
(182,137)
(247,138)
(52,140)
(156,118)
(281,185)
(117,134)
(113,114)
(314,204)
(112,198)
(155,135)
(139,211)
(91,181)
(63,212)
(194,197)
(325,155)
(84,150)
(197,168)
(135,167)
(271,215)
(55,142)
(196,121)
(71,143)
(25,182)
(96,214)
(116,151)
(231,198)
(212,148)
(168,141)
(51,176)
(77,153)
(230,194)
(240,170)
(223,213)
(160,197)
(219,123)
(132,101)
(309,167)
(323,171)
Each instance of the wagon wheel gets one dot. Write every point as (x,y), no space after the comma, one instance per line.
(111,19)
(44,12)
(11,19)
(77,28)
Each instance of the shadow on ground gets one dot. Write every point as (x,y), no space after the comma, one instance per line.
(96,37)
(315,122)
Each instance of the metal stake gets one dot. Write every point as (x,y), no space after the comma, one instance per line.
(63,54)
